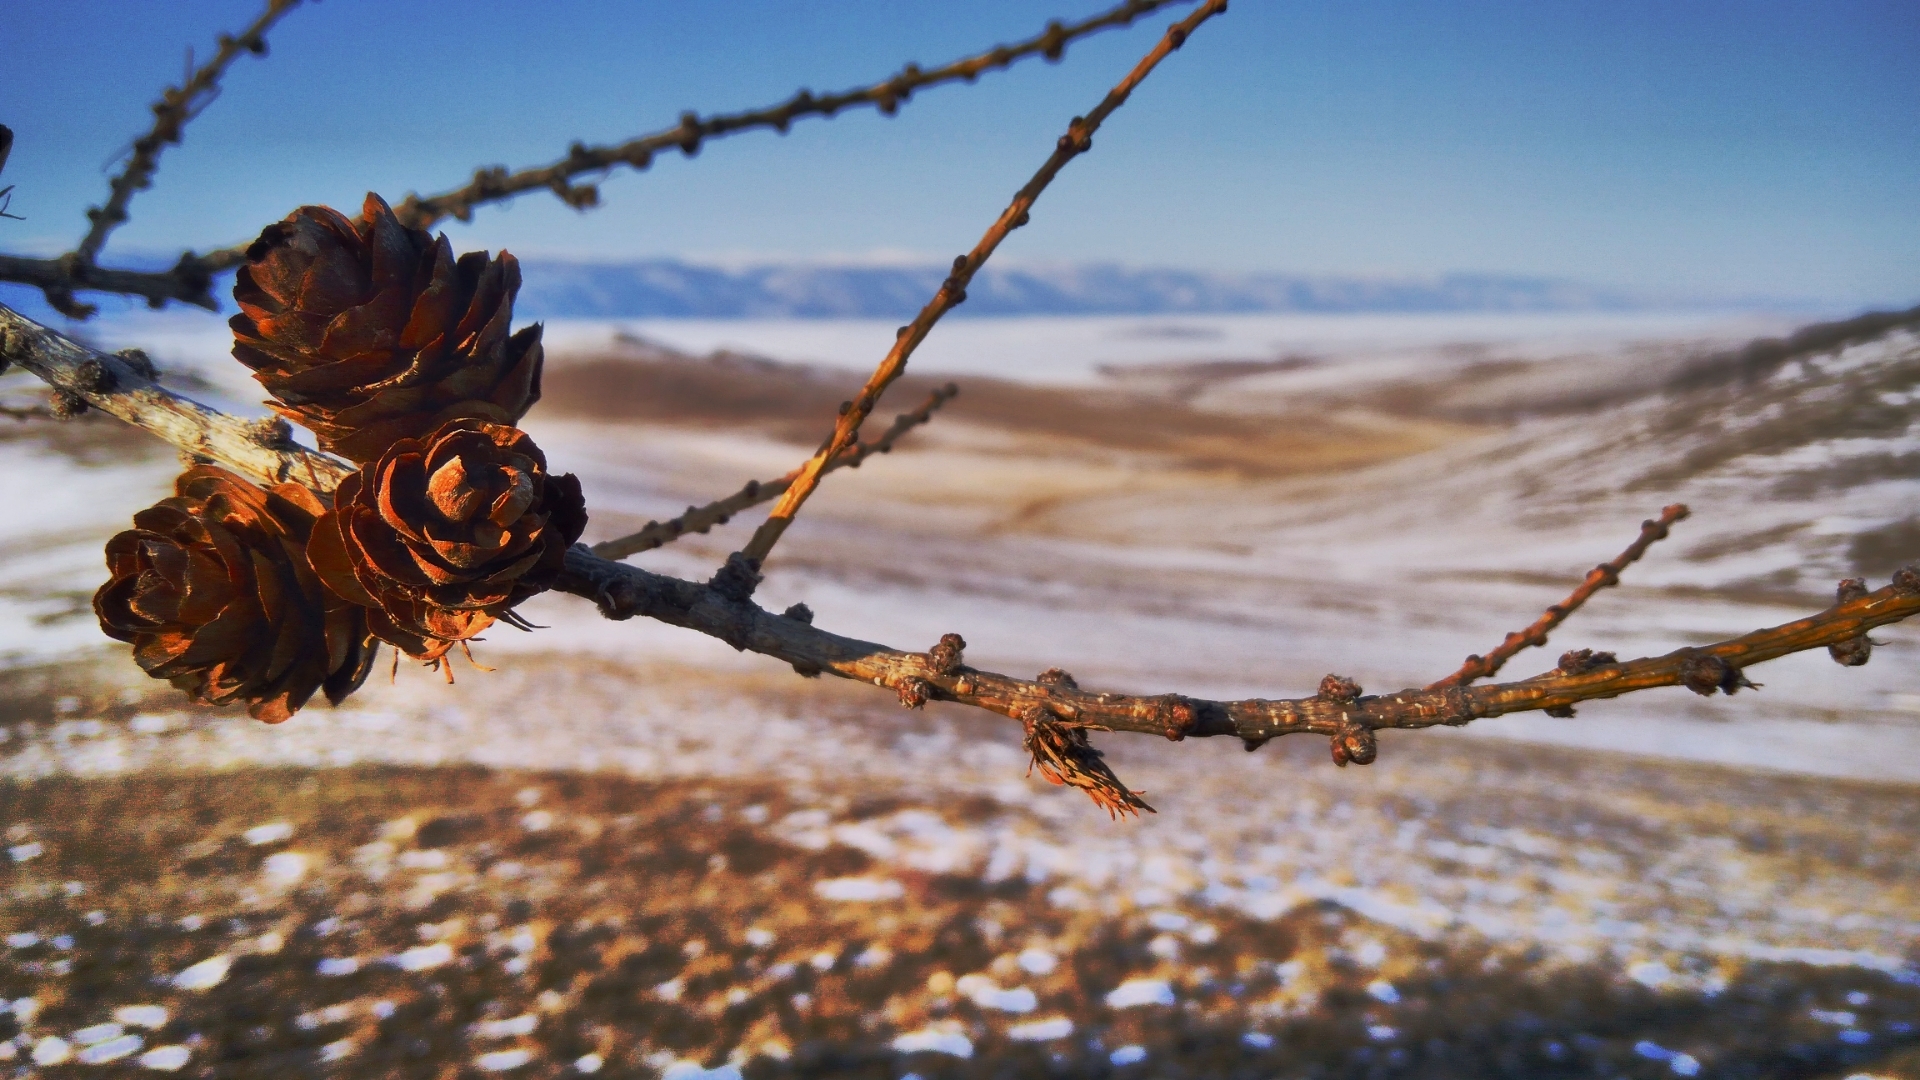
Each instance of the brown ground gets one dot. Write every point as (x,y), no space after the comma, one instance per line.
(581,901)
(729,391)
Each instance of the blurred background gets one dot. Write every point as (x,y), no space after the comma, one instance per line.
(1362,333)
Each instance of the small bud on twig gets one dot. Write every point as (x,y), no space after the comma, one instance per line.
(1355,744)
(272,432)
(1581,661)
(1707,674)
(93,377)
(914,692)
(1053,676)
(944,658)
(66,404)
(1855,651)
(1339,688)
(140,362)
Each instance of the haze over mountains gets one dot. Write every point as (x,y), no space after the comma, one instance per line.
(667,288)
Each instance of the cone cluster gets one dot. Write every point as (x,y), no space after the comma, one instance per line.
(399,357)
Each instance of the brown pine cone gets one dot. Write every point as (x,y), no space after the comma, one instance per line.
(213,589)
(443,535)
(368,332)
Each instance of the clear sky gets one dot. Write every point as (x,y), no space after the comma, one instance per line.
(1763,147)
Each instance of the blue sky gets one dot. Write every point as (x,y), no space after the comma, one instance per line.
(1759,147)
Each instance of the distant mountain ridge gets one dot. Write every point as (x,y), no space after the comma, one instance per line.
(666,288)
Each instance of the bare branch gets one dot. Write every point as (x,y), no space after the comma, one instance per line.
(623,591)
(1078,140)
(189,282)
(493,185)
(123,385)
(1600,577)
(699,519)
(1047,705)
(191,278)
(177,106)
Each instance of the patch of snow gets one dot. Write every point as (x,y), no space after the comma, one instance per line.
(938,1040)
(273,832)
(1057,1027)
(170,1058)
(204,975)
(1136,992)
(859,889)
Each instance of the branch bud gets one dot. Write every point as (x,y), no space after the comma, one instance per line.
(1339,688)
(1354,744)
(944,658)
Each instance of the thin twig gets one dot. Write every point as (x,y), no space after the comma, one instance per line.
(1600,577)
(953,291)
(189,282)
(24,413)
(177,106)
(6,193)
(493,185)
(190,279)
(622,591)
(699,519)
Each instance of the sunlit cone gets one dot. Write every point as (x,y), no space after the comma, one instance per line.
(213,589)
(443,535)
(368,332)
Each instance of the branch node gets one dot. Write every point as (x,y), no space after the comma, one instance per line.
(1176,716)
(1581,661)
(1906,580)
(799,613)
(1559,712)
(737,579)
(66,404)
(1339,688)
(944,658)
(14,342)
(272,432)
(1354,743)
(1054,676)
(140,362)
(93,377)
(1056,41)
(914,693)
(1706,675)
(1854,651)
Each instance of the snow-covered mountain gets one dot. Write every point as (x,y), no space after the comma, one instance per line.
(671,288)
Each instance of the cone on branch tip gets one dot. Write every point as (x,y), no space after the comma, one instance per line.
(213,589)
(441,536)
(367,332)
